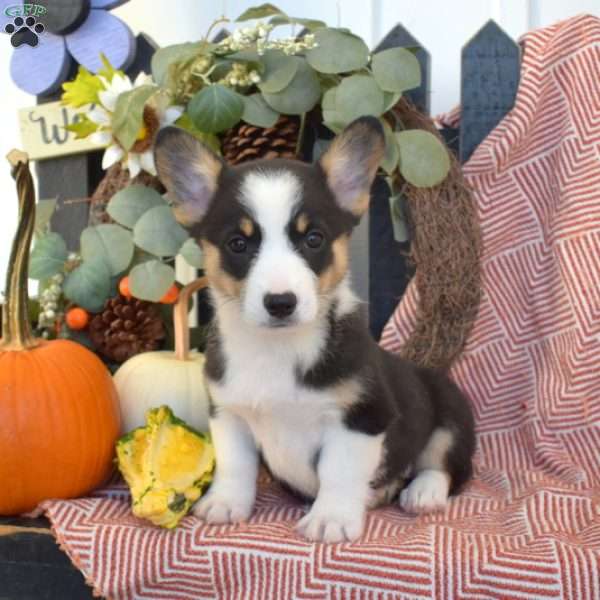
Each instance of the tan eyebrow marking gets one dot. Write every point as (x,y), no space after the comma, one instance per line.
(301,223)
(246,226)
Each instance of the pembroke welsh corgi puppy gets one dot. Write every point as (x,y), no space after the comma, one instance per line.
(294,375)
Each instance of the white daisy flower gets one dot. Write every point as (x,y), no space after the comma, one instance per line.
(156,115)
(114,153)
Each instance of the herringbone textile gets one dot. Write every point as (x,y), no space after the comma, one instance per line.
(528,526)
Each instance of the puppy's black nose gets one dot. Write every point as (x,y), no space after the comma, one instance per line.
(280,305)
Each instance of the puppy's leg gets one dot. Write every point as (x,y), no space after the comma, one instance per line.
(429,490)
(233,491)
(347,466)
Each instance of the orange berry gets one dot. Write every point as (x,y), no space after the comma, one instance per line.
(171,295)
(77,318)
(124,287)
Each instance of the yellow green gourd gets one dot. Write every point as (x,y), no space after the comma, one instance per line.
(167,465)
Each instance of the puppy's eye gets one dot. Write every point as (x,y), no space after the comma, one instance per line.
(314,239)
(237,244)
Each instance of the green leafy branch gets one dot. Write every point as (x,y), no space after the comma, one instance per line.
(143,242)
(336,70)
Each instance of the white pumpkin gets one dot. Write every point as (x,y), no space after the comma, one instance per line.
(151,379)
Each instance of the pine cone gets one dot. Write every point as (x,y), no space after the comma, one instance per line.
(246,142)
(126,326)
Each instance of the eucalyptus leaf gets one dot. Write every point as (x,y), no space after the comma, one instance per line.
(112,243)
(48,256)
(358,95)
(310,24)
(331,117)
(278,71)
(257,112)
(157,232)
(245,56)
(127,119)
(192,253)
(130,203)
(424,160)
(221,68)
(140,256)
(390,99)
(163,58)
(89,284)
(396,70)
(151,280)
(392,154)
(398,217)
(215,108)
(328,100)
(337,52)
(209,139)
(335,126)
(44,209)
(300,95)
(260,12)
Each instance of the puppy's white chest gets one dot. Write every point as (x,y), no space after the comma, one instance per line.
(288,422)
(290,438)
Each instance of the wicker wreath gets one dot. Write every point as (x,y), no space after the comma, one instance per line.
(445,249)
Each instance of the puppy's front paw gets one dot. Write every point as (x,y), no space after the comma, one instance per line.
(224,508)
(323,524)
(426,493)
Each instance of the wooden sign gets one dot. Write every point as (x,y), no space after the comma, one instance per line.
(43,132)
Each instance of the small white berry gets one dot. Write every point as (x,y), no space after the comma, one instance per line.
(49,314)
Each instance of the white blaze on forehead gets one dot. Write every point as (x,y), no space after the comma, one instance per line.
(271,197)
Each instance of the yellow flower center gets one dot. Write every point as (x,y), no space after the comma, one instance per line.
(142,133)
(147,131)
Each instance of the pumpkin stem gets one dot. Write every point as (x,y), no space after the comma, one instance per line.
(16,329)
(180,317)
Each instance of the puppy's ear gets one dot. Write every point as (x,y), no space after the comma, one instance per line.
(189,171)
(350,163)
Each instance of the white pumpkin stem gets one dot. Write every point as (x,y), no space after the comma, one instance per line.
(180,317)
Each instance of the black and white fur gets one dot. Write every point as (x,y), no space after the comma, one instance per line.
(292,370)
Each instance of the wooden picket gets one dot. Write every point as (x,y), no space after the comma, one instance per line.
(490,68)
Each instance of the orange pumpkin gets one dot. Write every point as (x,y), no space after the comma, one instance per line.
(59,414)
